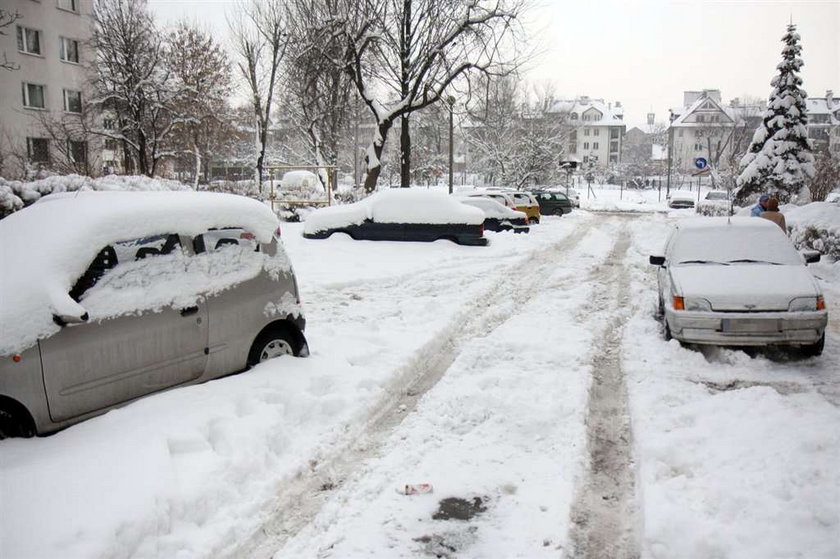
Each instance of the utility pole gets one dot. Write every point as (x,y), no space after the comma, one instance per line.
(670,156)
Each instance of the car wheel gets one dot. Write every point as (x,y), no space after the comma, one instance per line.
(12,426)
(814,350)
(272,343)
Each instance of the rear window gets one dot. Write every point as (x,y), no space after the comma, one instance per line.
(217,239)
(729,244)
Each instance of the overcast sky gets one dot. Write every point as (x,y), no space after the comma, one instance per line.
(646,53)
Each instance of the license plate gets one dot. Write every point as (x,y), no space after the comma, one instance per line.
(749,325)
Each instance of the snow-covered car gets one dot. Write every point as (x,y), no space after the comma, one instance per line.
(522,201)
(681,200)
(109,296)
(497,217)
(500,196)
(401,214)
(573,195)
(738,282)
(715,202)
(553,202)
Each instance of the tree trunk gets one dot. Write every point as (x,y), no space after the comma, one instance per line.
(405,153)
(374,166)
(142,162)
(197,174)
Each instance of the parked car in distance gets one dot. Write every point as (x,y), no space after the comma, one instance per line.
(573,195)
(497,217)
(553,202)
(110,296)
(502,197)
(401,214)
(681,200)
(738,282)
(522,201)
(715,202)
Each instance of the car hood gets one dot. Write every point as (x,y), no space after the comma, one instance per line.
(744,287)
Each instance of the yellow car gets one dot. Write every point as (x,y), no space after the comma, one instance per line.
(525,202)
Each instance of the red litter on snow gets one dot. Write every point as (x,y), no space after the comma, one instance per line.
(416,488)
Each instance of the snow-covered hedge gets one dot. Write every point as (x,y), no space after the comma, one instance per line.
(15,195)
(815,226)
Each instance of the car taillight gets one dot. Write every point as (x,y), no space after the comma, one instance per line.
(820,303)
(679,303)
(278,232)
(481,230)
(247,236)
(16,358)
(527,221)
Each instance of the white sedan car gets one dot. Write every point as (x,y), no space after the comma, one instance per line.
(739,282)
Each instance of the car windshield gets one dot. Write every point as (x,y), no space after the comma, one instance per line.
(733,246)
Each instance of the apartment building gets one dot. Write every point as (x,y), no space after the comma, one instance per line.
(45,46)
(705,127)
(596,130)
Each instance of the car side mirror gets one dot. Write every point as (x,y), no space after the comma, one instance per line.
(657,260)
(65,319)
(811,256)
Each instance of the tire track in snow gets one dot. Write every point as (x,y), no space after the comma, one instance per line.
(603,514)
(301,498)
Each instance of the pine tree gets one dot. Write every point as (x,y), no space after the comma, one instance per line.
(779,160)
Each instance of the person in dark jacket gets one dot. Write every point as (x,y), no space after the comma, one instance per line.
(761,206)
(773,214)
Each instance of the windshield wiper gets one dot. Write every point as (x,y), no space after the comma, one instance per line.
(751,261)
(703,262)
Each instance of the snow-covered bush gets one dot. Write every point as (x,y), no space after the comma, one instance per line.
(815,226)
(15,195)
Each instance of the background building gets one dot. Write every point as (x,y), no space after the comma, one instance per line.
(45,48)
(596,130)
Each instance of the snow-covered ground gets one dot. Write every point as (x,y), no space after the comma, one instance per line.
(468,368)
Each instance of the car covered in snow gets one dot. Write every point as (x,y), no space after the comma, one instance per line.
(715,202)
(522,201)
(553,202)
(497,217)
(574,196)
(106,297)
(401,214)
(681,200)
(738,282)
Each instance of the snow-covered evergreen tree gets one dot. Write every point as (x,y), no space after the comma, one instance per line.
(779,160)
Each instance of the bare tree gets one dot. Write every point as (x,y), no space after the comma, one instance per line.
(319,93)
(132,82)
(261,40)
(827,175)
(201,82)
(7,18)
(70,137)
(402,55)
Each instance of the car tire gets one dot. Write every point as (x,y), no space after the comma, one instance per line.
(271,343)
(12,426)
(814,350)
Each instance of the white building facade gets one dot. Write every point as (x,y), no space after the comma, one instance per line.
(46,45)
(596,131)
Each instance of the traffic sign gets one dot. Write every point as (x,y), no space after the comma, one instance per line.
(700,162)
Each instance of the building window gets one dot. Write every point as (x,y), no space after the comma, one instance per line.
(77,151)
(586,131)
(614,146)
(585,145)
(108,123)
(69,5)
(38,150)
(698,147)
(111,144)
(586,159)
(28,40)
(72,101)
(613,133)
(613,159)
(69,50)
(33,96)
(596,132)
(594,145)
(572,148)
(574,116)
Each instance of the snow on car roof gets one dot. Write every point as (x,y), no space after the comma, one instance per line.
(399,205)
(490,207)
(47,246)
(722,239)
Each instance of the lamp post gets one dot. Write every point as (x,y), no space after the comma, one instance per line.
(451,102)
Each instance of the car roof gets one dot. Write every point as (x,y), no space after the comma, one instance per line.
(718,222)
(45,247)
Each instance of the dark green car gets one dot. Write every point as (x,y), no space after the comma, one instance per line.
(553,203)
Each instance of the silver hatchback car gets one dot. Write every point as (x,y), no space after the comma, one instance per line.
(106,297)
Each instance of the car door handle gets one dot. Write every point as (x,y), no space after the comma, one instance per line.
(188,311)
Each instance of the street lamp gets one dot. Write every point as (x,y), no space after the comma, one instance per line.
(451,102)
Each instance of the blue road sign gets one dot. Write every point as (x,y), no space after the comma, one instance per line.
(700,162)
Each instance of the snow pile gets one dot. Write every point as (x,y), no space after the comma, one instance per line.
(48,245)
(815,226)
(400,205)
(14,195)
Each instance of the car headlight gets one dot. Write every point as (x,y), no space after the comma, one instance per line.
(695,304)
(807,304)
